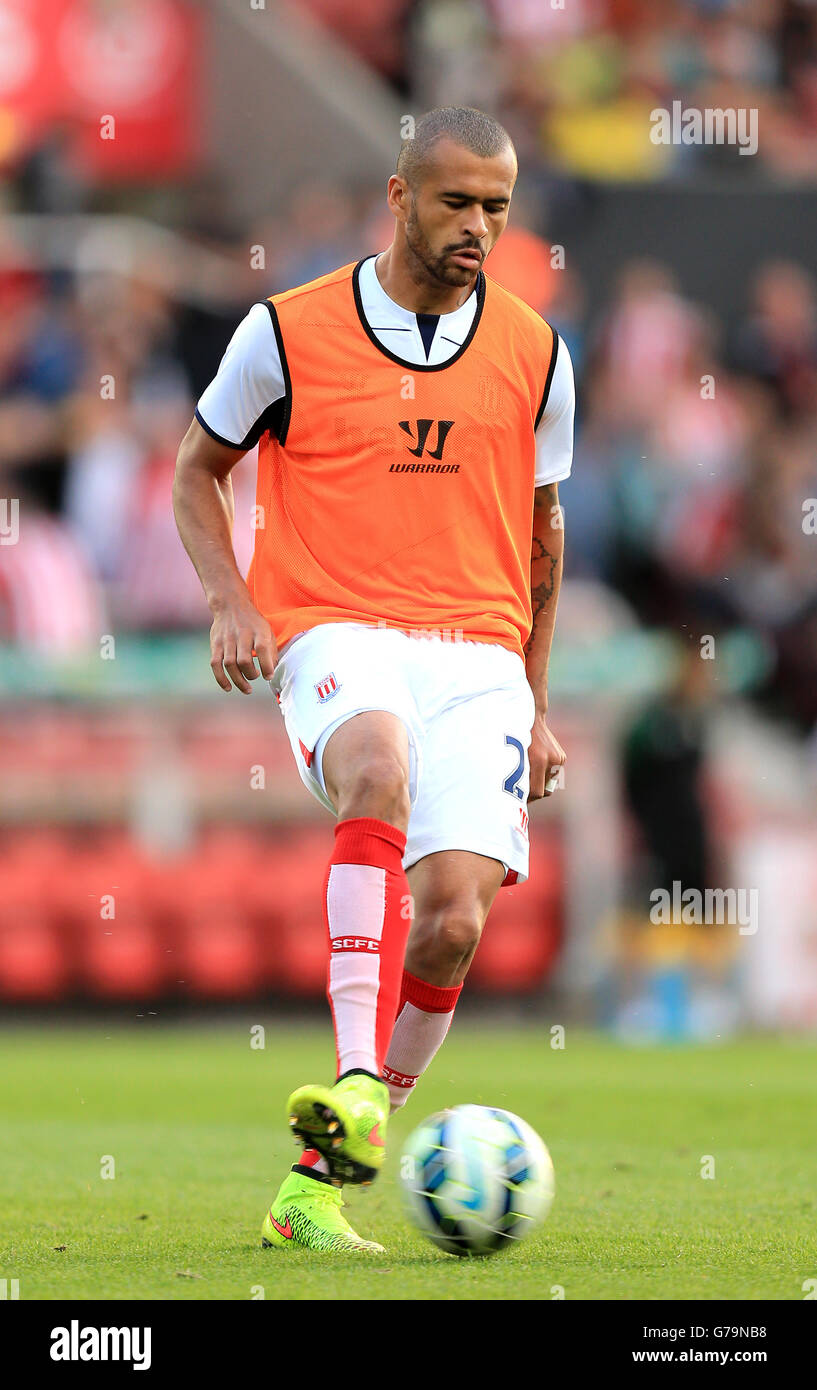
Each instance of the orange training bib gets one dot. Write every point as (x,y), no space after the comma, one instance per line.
(396,494)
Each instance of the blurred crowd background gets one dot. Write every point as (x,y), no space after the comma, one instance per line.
(155,840)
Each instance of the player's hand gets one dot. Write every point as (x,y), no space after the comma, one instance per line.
(547,757)
(238,636)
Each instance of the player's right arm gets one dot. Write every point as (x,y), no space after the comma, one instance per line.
(204,509)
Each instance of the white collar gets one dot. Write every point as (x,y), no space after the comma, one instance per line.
(383,313)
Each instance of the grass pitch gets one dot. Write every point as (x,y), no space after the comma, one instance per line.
(193,1122)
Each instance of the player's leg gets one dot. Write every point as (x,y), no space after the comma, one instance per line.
(365,767)
(468,824)
(367,914)
(452,893)
(348,719)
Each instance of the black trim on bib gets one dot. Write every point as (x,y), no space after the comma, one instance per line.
(270,419)
(279,426)
(554,354)
(276,416)
(417,366)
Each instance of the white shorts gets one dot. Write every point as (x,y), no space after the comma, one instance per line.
(468,711)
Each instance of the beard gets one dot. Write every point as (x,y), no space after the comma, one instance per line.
(434,266)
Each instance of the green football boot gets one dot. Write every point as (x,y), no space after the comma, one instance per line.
(346,1123)
(307,1212)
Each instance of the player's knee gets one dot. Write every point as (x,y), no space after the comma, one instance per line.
(378,786)
(448,939)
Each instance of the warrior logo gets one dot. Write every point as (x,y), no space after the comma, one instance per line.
(423,430)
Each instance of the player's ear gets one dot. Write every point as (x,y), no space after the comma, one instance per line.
(398,195)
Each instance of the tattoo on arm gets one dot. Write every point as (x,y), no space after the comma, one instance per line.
(542,592)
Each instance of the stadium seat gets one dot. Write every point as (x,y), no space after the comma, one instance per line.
(302,956)
(34,961)
(290,916)
(33,964)
(122,959)
(513,957)
(217,957)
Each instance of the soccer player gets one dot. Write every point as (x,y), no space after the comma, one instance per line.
(414,421)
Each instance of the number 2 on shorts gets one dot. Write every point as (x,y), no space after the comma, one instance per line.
(511,783)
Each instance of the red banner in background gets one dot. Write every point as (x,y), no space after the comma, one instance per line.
(128,70)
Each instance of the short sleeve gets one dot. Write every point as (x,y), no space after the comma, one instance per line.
(241,400)
(554,433)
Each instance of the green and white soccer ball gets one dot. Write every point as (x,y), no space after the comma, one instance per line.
(476,1179)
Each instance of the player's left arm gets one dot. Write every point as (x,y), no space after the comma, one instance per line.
(554,458)
(547,552)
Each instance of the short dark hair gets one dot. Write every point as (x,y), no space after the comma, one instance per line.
(474,129)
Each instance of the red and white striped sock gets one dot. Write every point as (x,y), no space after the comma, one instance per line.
(423,1020)
(310,1158)
(367,909)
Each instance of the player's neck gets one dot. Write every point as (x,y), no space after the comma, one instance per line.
(419,296)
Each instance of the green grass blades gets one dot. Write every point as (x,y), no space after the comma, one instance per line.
(189,1126)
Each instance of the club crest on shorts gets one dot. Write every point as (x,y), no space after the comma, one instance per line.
(327,687)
